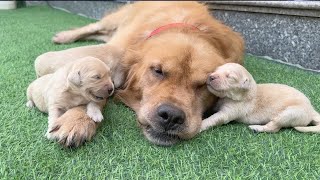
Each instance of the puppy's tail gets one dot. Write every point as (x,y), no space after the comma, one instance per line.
(315,121)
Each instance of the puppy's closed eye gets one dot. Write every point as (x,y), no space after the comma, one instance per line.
(231,77)
(97,77)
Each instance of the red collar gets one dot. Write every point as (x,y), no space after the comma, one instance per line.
(172,25)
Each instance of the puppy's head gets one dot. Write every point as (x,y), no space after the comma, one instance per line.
(230,80)
(91,78)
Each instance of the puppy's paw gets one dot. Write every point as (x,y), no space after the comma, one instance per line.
(206,124)
(203,128)
(63,37)
(256,128)
(30,104)
(95,115)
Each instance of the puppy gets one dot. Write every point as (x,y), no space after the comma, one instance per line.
(266,107)
(85,81)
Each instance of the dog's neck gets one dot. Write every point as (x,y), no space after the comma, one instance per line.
(170,26)
(251,92)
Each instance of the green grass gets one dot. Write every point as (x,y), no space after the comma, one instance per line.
(119,150)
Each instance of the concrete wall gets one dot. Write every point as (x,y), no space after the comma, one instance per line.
(92,9)
(285,31)
(291,39)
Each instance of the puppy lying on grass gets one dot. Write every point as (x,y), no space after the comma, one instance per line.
(85,81)
(266,107)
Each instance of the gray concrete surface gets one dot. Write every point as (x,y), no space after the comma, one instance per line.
(291,38)
(92,9)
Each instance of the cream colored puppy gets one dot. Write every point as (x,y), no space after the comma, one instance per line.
(266,107)
(85,81)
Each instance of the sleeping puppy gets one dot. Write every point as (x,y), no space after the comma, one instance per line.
(266,107)
(85,81)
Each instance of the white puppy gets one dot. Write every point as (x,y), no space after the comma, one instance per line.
(85,81)
(266,107)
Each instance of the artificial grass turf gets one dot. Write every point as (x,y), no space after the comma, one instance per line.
(119,150)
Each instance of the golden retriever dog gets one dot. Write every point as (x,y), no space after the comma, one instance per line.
(169,50)
(266,107)
(85,81)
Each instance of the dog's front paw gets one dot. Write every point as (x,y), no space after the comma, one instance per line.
(256,128)
(95,115)
(63,37)
(73,128)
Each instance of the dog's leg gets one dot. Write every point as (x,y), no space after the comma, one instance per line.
(98,37)
(73,128)
(48,62)
(78,33)
(103,28)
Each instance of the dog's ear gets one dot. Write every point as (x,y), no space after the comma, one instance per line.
(74,77)
(245,84)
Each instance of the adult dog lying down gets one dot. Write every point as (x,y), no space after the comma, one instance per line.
(170,48)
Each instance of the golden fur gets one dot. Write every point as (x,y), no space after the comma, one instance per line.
(266,107)
(169,68)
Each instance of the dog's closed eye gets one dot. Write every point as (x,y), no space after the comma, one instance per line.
(157,71)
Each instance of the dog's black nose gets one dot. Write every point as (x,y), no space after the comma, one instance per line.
(170,116)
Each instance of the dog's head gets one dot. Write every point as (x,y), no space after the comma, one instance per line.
(166,85)
(230,80)
(91,78)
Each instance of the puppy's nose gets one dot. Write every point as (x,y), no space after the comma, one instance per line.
(213,77)
(110,89)
(170,117)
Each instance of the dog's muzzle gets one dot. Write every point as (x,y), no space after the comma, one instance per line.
(168,120)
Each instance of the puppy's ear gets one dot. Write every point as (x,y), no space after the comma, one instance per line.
(245,84)
(74,77)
